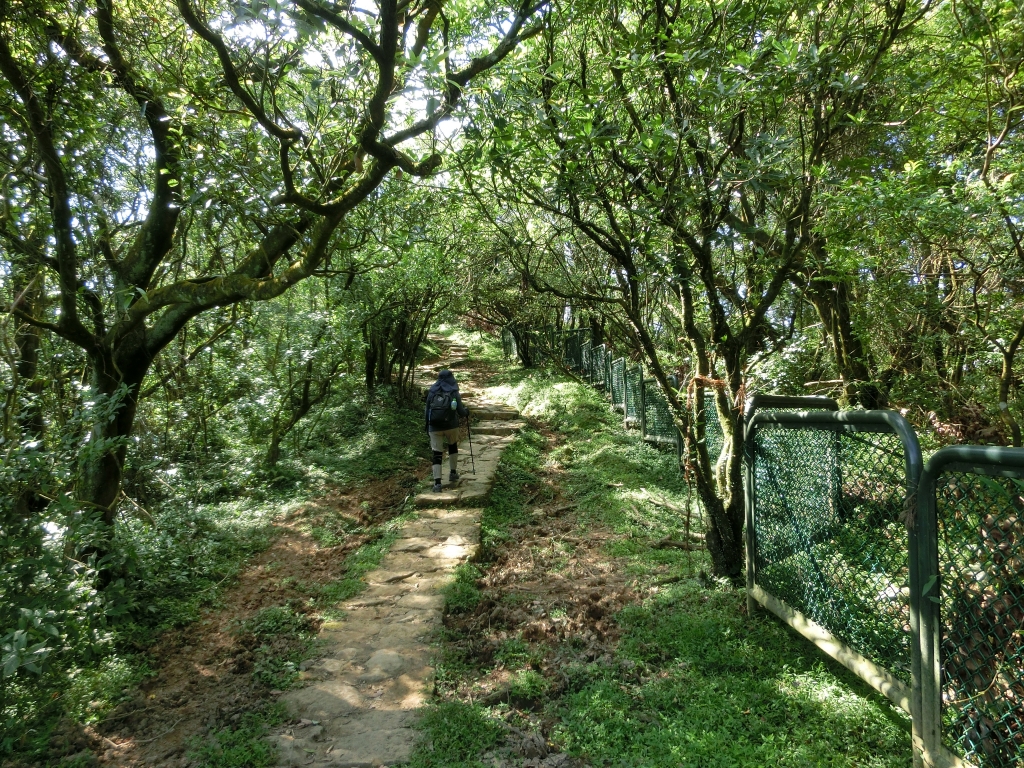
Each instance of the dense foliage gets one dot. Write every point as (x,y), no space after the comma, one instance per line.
(226,229)
(792,197)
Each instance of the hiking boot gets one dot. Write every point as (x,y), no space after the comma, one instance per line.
(437,486)
(453,476)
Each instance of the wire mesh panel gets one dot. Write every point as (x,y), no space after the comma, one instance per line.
(571,355)
(508,344)
(973,516)
(618,383)
(714,437)
(586,359)
(633,381)
(598,365)
(658,425)
(827,510)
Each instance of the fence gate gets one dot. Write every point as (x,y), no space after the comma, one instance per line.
(827,500)
(971,522)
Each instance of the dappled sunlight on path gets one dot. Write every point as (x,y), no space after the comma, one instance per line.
(361,699)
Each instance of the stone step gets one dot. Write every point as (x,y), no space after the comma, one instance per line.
(473,486)
(485,413)
(498,427)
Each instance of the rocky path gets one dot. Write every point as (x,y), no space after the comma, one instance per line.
(361,699)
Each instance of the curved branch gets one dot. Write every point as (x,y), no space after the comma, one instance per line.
(61,215)
(19,313)
(457,81)
(231,74)
(341,24)
(154,239)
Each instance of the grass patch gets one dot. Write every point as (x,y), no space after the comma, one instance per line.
(358,564)
(457,734)
(695,681)
(461,594)
(243,746)
(516,482)
(278,638)
(361,441)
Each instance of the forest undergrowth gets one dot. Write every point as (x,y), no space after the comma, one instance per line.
(589,633)
(222,601)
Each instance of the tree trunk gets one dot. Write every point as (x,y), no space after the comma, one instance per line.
(524,351)
(28,413)
(831,299)
(1005,382)
(103,469)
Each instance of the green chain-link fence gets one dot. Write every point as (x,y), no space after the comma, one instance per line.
(659,427)
(972,554)
(919,588)
(599,367)
(641,401)
(922,595)
(618,385)
(827,498)
(714,437)
(633,392)
(573,346)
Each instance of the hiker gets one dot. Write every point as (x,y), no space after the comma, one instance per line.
(444,408)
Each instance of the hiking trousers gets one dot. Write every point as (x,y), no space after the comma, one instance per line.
(438,439)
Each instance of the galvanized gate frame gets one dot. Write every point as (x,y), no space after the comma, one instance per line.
(787,402)
(876,676)
(754,403)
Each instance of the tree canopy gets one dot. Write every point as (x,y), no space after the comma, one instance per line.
(228,218)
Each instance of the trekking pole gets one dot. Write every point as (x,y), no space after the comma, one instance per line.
(469,432)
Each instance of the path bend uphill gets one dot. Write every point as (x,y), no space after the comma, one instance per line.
(360,701)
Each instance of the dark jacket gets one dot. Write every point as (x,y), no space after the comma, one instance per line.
(446,382)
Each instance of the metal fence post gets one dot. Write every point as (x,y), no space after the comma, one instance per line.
(980,696)
(924,597)
(623,366)
(643,402)
(608,373)
(748,512)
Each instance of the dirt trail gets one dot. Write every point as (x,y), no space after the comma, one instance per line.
(361,699)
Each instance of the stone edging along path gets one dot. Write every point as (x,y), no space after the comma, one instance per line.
(361,699)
